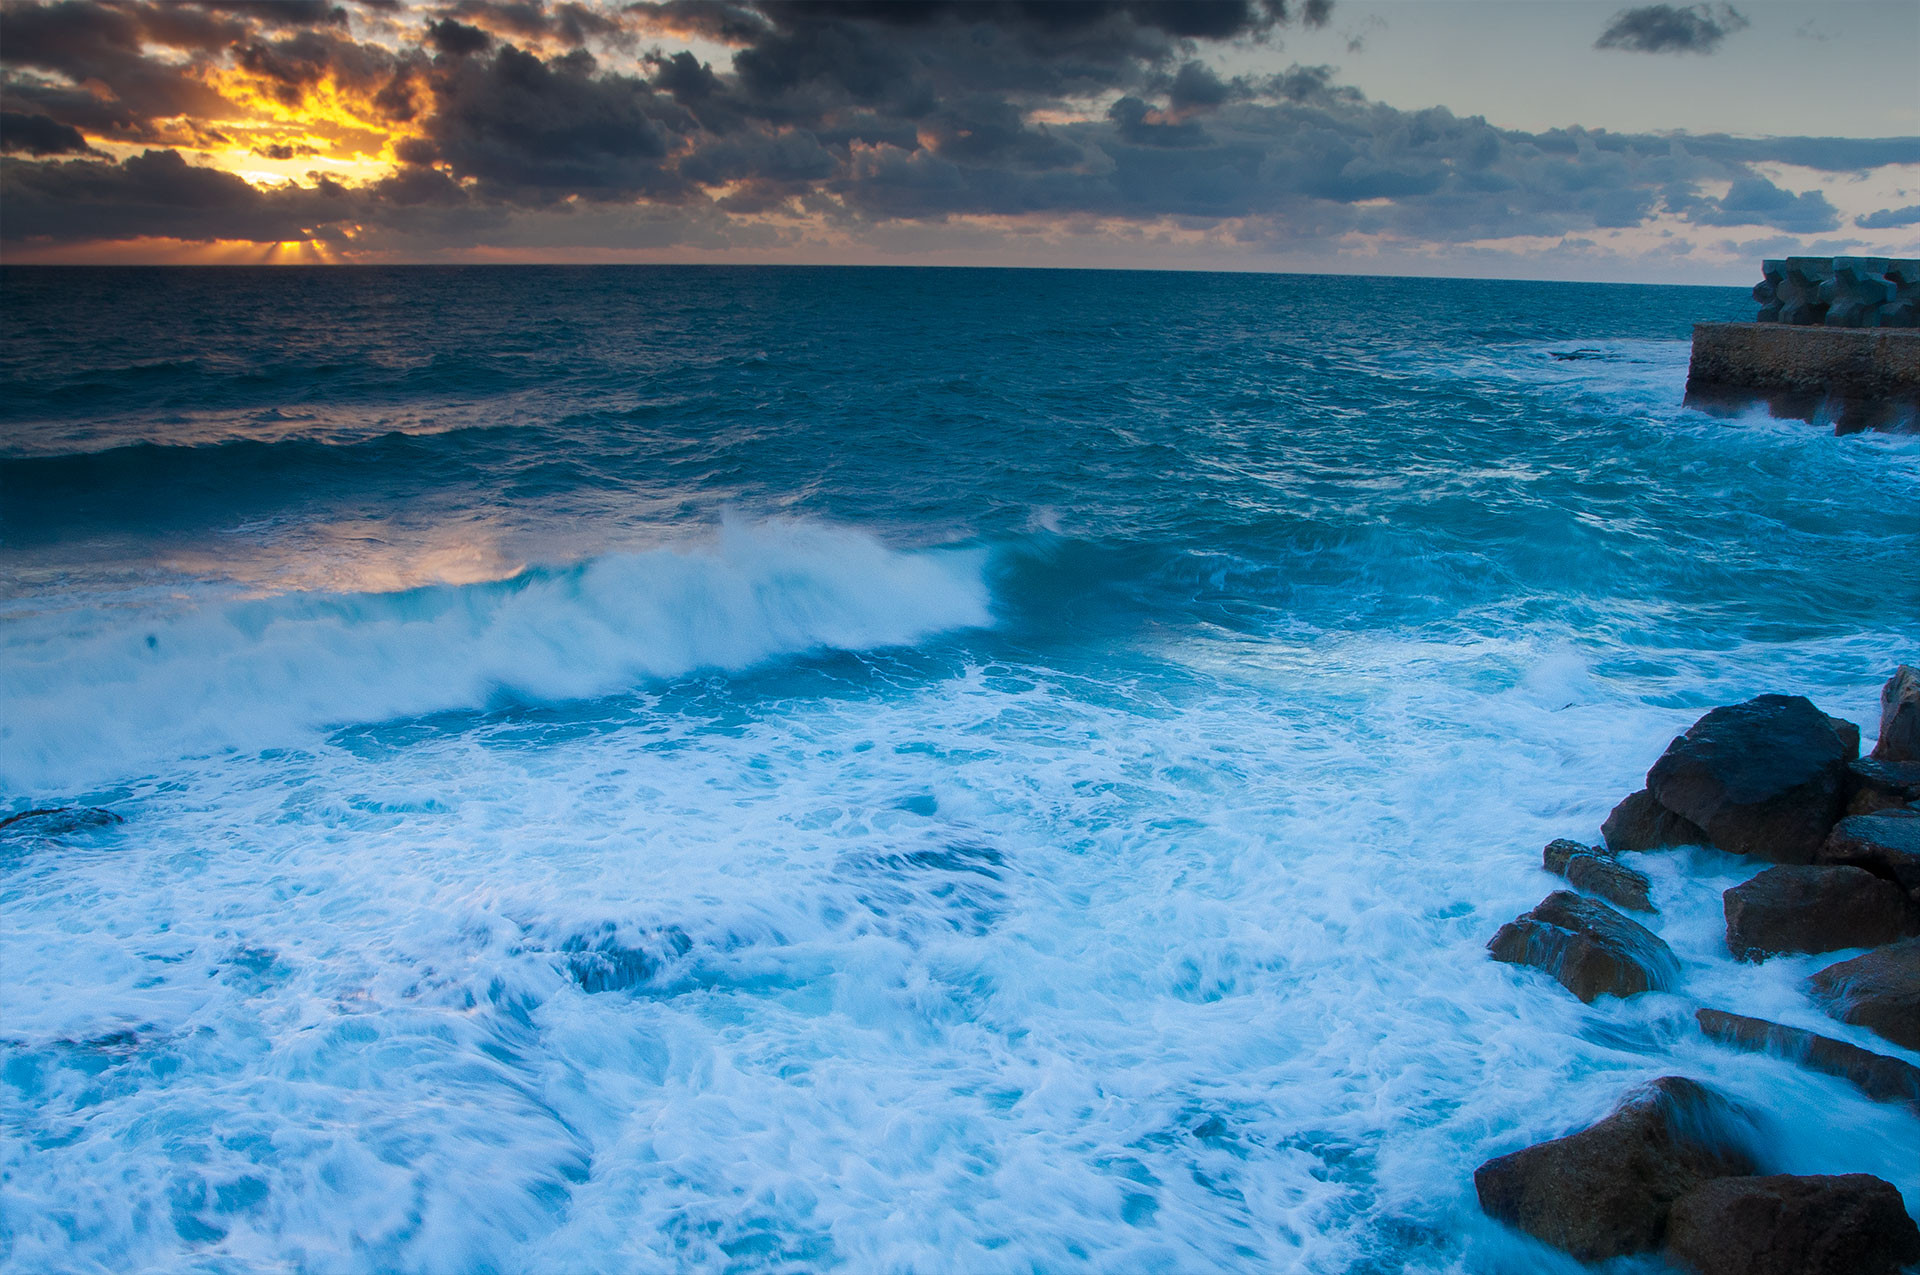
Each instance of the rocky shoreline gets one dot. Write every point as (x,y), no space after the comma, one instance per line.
(1677,1167)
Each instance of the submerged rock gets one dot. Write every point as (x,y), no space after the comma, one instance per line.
(1607,1190)
(1766,778)
(57,821)
(1809,908)
(1591,949)
(1873,785)
(1886,844)
(1879,991)
(1640,822)
(1853,1224)
(1899,717)
(1879,1077)
(1596,871)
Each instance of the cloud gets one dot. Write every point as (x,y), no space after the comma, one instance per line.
(537,130)
(1890,218)
(156,193)
(1669,28)
(22,133)
(847,116)
(1755,201)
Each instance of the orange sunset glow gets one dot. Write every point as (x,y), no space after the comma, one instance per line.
(1219,135)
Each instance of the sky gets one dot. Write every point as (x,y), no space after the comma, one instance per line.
(1499,138)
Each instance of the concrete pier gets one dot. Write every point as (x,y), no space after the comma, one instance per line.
(1857,378)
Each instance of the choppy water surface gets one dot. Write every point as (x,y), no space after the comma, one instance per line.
(868,770)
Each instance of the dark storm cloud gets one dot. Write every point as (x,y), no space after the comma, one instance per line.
(851,113)
(281,13)
(21,133)
(567,22)
(91,43)
(1755,201)
(1890,218)
(1670,28)
(537,130)
(155,193)
(457,39)
(1826,154)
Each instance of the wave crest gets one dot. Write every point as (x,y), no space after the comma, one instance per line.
(90,701)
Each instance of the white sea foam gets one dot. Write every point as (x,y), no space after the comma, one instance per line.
(1181,967)
(88,697)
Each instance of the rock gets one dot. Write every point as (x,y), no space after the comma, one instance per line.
(1886,844)
(1598,872)
(1873,786)
(1606,1190)
(1879,1077)
(1766,778)
(1641,823)
(1559,851)
(1591,949)
(1899,717)
(57,821)
(1854,1224)
(1806,908)
(1879,991)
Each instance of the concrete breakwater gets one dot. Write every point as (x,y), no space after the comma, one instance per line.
(1835,340)
(1840,292)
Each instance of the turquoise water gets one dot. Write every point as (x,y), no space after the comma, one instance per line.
(928,770)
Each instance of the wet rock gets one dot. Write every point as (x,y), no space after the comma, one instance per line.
(1607,1190)
(1879,991)
(1879,1077)
(1899,717)
(1641,823)
(1886,844)
(57,821)
(1873,786)
(1596,871)
(1808,908)
(1853,1224)
(1591,949)
(1766,778)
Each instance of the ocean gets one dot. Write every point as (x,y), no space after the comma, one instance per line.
(786,769)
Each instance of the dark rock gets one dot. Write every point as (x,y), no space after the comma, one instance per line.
(1597,872)
(1806,908)
(1886,844)
(1873,786)
(1879,1077)
(57,821)
(1607,1190)
(1642,823)
(1766,778)
(1559,851)
(1854,1224)
(1879,991)
(1899,717)
(1590,948)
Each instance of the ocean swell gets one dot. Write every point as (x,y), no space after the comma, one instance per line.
(99,693)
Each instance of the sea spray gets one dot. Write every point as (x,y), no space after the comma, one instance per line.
(1058,827)
(90,695)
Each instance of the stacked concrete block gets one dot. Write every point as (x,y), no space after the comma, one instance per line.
(1840,292)
(1903,311)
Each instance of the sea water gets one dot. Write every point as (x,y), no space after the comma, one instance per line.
(870,770)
